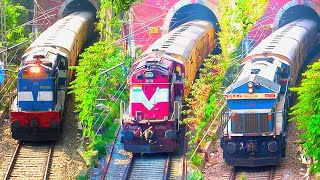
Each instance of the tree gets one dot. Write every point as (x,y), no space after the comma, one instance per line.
(307,114)
(89,83)
(16,15)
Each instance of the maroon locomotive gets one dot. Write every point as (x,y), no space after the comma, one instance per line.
(159,81)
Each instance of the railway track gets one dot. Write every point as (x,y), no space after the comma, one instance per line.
(261,173)
(117,161)
(122,165)
(177,167)
(148,166)
(30,162)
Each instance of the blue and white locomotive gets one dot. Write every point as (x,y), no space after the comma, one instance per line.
(43,77)
(254,125)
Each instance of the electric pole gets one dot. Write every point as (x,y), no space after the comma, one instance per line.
(3,34)
(131,37)
(34,25)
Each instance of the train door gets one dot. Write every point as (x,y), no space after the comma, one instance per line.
(62,71)
(172,90)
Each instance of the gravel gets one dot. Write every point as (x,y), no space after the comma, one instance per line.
(71,162)
(67,162)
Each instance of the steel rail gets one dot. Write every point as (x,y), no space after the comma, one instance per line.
(109,156)
(12,161)
(15,156)
(165,170)
(49,158)
(129,167)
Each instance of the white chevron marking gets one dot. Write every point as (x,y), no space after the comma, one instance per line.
(138,96)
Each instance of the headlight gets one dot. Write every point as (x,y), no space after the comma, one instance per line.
(231,147)
(169,134)
(273,146)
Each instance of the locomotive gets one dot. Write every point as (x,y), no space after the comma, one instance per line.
(159,81)
(254,124)
(36,112)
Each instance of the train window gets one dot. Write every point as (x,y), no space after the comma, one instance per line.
(178,72)
(255,71)
(284,70)
(139,76)
(62,64)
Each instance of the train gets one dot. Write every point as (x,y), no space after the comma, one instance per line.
(37,111)
(253,125)
(159,81)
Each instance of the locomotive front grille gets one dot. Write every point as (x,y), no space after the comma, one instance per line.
(250,122)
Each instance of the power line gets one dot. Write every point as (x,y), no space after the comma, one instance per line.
(5,50)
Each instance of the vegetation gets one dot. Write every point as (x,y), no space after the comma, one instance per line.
(237,18)
(90,85)
(195,175)
(16,15)
(307,114)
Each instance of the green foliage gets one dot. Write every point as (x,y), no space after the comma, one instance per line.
(109,19)
(243,177)
(195,175)
(118,5)
(89,84)
(24,3)
(237,18)
(306,113)
(196,160)
(15,16)
(102,55)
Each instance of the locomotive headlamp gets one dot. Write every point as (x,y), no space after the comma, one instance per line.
(250,90)
(250,84)
(273,146)
(231,147)
(35,69)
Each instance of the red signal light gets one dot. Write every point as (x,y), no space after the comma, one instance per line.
(35,69)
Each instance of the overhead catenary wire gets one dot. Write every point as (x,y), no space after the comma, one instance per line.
(41,10)
(122,86)
(39,18)
(109,112)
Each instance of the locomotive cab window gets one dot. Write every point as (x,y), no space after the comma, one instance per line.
(177,71)
(62,64)
(284,72)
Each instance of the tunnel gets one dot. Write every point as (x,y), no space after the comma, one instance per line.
(298,12)
(192,12)
(70,6)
